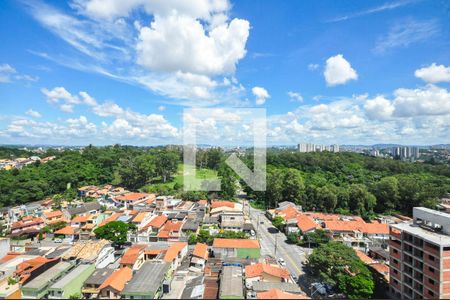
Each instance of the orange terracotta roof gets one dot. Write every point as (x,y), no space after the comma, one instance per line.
(201,250)
(305,223)
(288,213)
(139,217)
(236,243)
(172,226)
(173,251)
(9,256)
(112,218)
(217,204)
(53,214)
(66,230)
(153,251)
(358,225)
(131,255)
(80,219)
(132,197)
(118,279)
(27,222)
(258,269)
(376,228)
(362,256)
(88,226)
(278,294)
(156,222)
(163,234)
(203,202)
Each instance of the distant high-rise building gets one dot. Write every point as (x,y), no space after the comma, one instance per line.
(405,152)
(309,147)
(420,256)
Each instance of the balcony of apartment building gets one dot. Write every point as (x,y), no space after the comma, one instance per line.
(429,294)
(408,292)
(431,272)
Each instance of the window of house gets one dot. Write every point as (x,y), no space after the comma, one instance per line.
(431,281)
(431,293)
(431,257)
(431,269)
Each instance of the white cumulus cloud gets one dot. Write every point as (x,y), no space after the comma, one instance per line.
(434,73)
(338,71)
(261,95)
(33,113)
(295,96)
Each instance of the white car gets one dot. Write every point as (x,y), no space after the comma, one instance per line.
(252,232)
(282,262)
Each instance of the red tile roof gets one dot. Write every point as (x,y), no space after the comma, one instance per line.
(27,222)
(217,204)
(156,222)
(132,254)
(203,202)
(173,251)
(53,214)
(288,213)
(112,218)
(201,251)
(358,225)
(68,230)
(132,197)
(362,256)
(306,223)
(257,270)
(278,294)
(80,219)
(118,279)
(9,256)
(236,243)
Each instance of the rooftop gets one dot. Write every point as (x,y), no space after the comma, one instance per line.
(278,294)
(71,276)
(235,243)
(49,275)
(99,276)
(231,282)
(118,279)
(428,235)
(147,279)
(257,270)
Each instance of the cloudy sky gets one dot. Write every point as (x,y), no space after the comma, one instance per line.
(113,71)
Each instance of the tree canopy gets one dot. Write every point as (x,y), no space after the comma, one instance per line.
(115,231)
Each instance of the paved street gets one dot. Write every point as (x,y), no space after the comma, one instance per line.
(293,255)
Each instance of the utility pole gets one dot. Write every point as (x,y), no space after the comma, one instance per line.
(257,228)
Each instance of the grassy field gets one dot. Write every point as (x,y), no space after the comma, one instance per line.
(180,180)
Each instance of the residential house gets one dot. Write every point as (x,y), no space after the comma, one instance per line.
(149,232)
(266,273)
(71,283)
(83,209)
(301,223)
(130,199)
(199,256)
(133,258)
(29,269)
(148,281)
(175,254)
(99,253)
(38,287)
(69,234)
(113,286)
(171,231)
(54,216)
(232,220)
(91,287)
(242,248)
(27,226)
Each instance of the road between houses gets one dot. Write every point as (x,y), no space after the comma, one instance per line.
(293,255)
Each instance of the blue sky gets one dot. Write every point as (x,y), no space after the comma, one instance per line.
(111,71)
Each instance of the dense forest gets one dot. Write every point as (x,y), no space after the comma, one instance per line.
(331,182)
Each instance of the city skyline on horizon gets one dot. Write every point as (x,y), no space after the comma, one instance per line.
(353,73)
